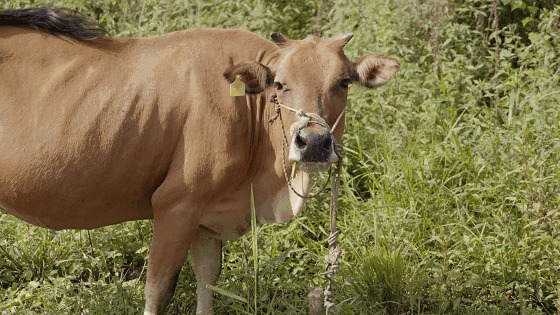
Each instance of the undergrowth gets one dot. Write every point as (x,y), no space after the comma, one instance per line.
(450,191)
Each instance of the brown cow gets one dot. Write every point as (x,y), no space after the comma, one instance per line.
(95,131)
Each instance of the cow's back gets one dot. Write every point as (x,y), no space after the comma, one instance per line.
(88,129)
(83,129)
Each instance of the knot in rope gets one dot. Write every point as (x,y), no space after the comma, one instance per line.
(274,100)
(331,269)
(333,266)
(303,121)
(303,117)
(339,150)
(333,237)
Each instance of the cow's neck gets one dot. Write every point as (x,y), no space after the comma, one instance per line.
(268,161)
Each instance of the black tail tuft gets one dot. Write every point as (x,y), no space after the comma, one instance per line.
(56,21)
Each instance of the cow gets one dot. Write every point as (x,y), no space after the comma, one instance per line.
(96,131)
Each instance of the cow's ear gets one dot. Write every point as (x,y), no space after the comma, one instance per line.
(257,77)
(374,71)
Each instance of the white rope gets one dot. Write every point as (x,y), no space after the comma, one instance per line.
(338,119)
(318,119)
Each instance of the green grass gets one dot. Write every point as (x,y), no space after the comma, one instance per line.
(449,197)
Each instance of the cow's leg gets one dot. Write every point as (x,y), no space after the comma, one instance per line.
(175,225)
(206,255)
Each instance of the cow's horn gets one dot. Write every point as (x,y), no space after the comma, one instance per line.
(277,37)
(343,39)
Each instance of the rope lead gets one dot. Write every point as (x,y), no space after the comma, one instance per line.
(332,264)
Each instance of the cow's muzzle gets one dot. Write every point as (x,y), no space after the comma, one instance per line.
(313,149)
(313,145)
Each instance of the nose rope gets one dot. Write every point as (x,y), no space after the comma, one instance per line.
(304,116)
(332,264)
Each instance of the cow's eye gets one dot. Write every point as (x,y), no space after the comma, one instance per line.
(278,85)
(344,83)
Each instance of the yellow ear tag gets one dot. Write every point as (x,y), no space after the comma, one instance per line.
(237,88)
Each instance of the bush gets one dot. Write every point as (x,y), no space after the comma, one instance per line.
(450,193)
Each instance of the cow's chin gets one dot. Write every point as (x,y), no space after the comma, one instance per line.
(301,183)
(314,167)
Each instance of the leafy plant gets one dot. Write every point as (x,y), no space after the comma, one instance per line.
(450,192)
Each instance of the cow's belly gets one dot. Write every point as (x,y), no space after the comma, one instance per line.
(63,190)
(73,204)
(60,216)
(71,199)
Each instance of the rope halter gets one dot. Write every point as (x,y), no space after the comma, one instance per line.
(304,120)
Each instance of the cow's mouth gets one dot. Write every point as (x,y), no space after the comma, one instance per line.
(313,167)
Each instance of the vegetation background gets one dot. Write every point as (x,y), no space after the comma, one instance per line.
(450,194)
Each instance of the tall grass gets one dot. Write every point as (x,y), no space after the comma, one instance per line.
(449,196)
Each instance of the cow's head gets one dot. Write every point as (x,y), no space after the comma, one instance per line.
(313,75)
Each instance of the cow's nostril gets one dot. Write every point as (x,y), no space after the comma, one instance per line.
(300,143)
(327,144)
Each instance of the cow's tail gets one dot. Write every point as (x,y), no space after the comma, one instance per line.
(56,21)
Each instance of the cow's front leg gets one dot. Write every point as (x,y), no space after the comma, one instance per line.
(175,225)
(206,256)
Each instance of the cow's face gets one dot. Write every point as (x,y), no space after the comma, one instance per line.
(313,75)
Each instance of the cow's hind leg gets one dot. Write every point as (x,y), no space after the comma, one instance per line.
(175,225)
(206,255)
